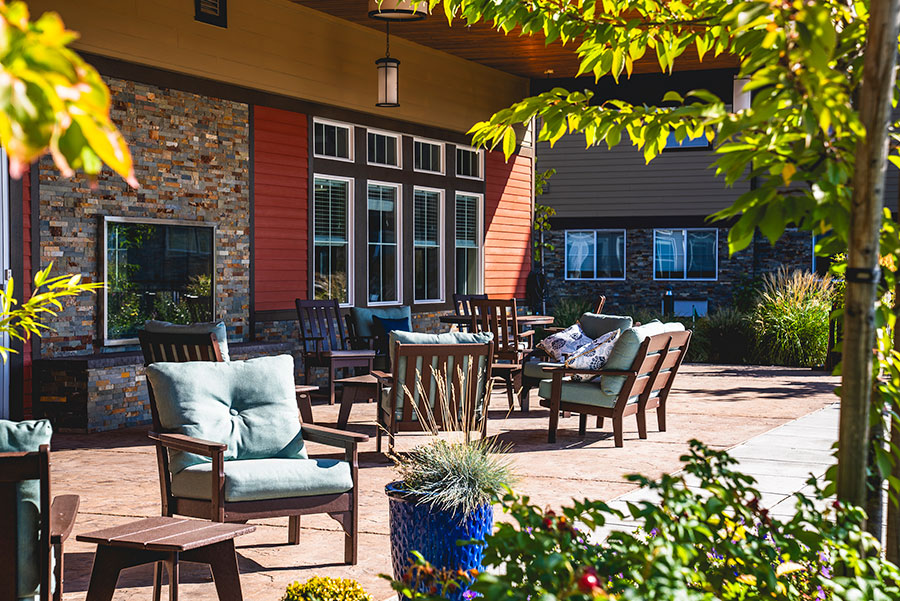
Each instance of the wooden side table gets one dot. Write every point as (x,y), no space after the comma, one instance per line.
(355,389)
(165,540)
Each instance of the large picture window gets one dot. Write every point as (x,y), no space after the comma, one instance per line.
(685,254)
(468,243)
(383,256)
(331,238)
(156,270)
(427,212)
(595,254)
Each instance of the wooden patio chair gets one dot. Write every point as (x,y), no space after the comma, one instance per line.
(432,366)
(499,317)
(324,342)
(54,522)
(646,386)
(462,303)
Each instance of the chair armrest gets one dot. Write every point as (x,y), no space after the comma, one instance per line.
(384,378)
(359,343)
(62,517)
(332,437)
(565,371)
(182,442)
(526,334)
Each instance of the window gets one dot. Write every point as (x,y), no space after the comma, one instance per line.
(331,239)
(688,142)
(595,254)
(468,163)
(468,243)
(383,256)
(685,254)
(332,140)
(427,244)
(156,270)
(383,149)
(428,156)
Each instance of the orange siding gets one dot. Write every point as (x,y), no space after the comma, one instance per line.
(509,192)
(280,207)
(27,278)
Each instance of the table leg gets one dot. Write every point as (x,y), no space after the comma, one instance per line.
(305,406)
(172,567)
(222,561)
(108,562)
(348,396)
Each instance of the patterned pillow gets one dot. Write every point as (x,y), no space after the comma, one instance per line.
(593,355)
(562,344)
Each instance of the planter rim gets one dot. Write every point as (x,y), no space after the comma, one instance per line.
(395,490)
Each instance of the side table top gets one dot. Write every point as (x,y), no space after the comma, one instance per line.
(363,379)
(166,534)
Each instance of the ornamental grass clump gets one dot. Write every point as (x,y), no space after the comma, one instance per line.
(324,588)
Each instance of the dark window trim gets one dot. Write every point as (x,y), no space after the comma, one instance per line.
(17,265)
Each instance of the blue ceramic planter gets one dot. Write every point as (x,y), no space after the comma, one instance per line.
(433,533)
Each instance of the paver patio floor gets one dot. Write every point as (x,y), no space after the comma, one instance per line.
(115,475)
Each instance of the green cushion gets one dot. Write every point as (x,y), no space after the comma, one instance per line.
(217,328)
(27,437)
(363,317)
(626,349)
(537,370)
(596,325)
(585,393)
(260,479)
(249,405)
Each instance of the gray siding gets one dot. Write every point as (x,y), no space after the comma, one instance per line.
(617,183)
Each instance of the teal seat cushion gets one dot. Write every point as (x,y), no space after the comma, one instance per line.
(249,405)
(596,325)
(27,437)
(538,370)
(217,328)
(261,479)
(626,349)
(363,318)
(584,393)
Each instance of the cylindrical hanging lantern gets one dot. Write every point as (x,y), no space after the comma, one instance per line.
(388,81)
(398,10)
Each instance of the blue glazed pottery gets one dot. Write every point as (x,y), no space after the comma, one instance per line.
(433,533)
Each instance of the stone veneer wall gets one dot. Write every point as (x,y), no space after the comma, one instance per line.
(191,156)
(639,289)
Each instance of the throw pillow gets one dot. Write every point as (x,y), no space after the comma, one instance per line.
(562,344)
(383,328)
(593,356)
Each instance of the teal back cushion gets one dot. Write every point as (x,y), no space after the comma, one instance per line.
(217,328)
(626,350)
(249,405)
(596,325)
(25,437)
(362,318)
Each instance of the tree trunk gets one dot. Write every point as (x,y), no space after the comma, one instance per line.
(862,256)
(875,483)
(892,536)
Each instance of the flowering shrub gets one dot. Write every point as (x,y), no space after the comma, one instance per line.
(323,588)
(713,541)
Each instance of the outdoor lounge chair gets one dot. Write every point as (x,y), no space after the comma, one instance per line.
(638,376)
(33,529)
(364,333)
(323,342)
(434,361)
(230,447)
(500,318)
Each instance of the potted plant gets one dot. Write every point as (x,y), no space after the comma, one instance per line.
(441,508)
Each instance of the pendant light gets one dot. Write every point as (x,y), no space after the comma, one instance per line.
(398,10)
(388,75)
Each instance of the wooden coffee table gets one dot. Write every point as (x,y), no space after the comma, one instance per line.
(165,540)
(354,389)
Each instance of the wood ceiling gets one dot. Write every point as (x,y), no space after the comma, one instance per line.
(523,56)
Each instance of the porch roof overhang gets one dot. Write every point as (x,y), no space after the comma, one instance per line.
(525,56)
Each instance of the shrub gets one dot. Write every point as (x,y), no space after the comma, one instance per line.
(724,336)
(790,320)
(324,588)
(568,310)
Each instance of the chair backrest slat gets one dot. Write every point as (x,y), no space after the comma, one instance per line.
(462,303)
(321,326)
(500,318)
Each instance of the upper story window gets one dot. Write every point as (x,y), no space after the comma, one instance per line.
(595,254)
(468,163)
(685,254)
(332,207)
(383,254)
(427,224)
(428,156)
(468,243)
(333,140)
(383,149)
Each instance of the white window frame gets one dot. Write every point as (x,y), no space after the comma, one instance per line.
(350,260)
(351,142)
(595,278)
(685,278)
(398,215)
(437,143)
(389,134)
(479,237)
(480,153)
(442,246)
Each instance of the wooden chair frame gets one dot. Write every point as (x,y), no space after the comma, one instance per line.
(435,359)
(343,507)
(58,519)
(500,318)
(324,341)
(653,371)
